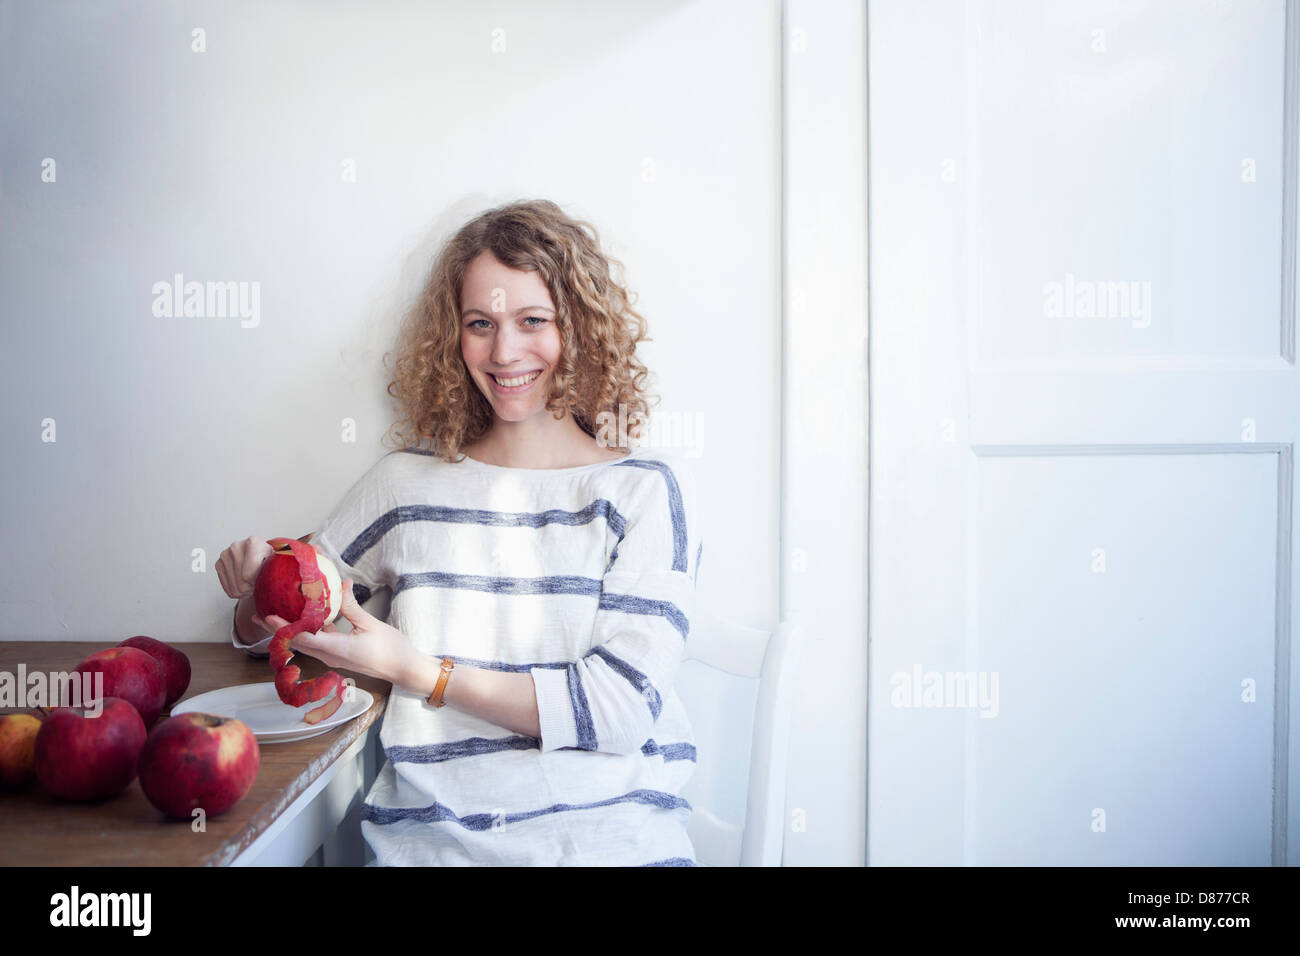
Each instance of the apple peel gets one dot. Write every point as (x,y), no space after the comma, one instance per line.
(315,614)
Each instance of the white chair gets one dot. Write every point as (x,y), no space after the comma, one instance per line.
(767,657)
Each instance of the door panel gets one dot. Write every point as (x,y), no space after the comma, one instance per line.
(1119,685)
(1083,404)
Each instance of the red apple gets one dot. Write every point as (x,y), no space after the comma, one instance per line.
(301,585)
(194,761)
(18,750)
(133,675)
(81,757)
(175,664)
(278,588)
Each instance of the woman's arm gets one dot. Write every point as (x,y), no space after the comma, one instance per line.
(507,700)
(377,649)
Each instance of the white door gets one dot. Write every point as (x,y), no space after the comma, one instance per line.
(1083,405)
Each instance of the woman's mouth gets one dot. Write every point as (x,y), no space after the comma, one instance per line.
(516,383)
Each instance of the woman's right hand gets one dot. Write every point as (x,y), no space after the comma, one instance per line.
(239,564)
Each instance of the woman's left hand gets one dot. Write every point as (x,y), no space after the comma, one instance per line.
(374,648)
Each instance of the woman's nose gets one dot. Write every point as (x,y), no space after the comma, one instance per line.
(504,348)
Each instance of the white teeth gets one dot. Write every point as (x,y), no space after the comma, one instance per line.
(512,382)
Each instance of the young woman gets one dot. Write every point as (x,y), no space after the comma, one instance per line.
(544,572)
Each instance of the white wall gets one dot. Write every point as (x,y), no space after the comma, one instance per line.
(659,121)
(825,467)
(182,433)
(175,436)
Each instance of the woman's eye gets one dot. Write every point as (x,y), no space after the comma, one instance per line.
(532,318)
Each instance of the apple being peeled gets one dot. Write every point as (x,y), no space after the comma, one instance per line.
(175,664)
(198,761)
(18,750)
(279,588)
(133,675)
(302,586)
(79,757)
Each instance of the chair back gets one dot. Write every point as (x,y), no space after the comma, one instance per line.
(742,732)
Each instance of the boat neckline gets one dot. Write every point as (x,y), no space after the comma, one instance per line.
(572,470)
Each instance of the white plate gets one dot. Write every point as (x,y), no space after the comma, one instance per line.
(270,719)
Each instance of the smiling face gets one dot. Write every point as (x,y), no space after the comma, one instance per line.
(508,337)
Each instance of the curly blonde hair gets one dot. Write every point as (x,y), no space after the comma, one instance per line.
(598,369)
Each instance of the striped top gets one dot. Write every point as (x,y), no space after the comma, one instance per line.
(582,577)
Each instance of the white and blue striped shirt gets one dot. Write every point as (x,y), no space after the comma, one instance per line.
(583,577)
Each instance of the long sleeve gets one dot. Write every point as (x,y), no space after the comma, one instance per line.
(260,649)
(352,537)
(610,699)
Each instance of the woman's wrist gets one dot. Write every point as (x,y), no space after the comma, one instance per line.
(419,674)
(245,629)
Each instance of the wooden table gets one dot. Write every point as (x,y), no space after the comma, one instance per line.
(304,789)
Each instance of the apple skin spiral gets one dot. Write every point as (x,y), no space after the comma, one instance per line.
(302,586)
